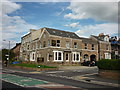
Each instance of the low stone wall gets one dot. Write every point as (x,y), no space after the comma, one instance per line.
(29,68)
(112,74)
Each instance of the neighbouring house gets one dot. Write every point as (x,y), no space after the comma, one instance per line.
(48,45)
(115,47)
(16,50)
(104,46)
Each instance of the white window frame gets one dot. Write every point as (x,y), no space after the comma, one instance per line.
(75,56)
(107,55)
(31,56)
(58,56)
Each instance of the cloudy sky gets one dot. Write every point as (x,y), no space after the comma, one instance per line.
(83,18)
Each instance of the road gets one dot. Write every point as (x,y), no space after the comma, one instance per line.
(63,77)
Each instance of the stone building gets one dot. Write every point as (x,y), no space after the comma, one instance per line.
(48,45)
(115,47)
(104,46)
(16,50)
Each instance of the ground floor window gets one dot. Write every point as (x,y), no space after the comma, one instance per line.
(32,56)
(107,56)
(58,55)
(76,56)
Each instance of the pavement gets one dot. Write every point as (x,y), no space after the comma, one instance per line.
(78,73)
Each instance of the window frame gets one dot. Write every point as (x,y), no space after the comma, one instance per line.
(93,47)
(75,45)
(74,56)
(56,56)
(85,46)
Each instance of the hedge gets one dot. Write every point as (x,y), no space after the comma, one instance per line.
(109,64)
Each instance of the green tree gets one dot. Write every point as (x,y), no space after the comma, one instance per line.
(6,52)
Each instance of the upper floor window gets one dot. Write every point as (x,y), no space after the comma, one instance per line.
(44,44)
(53,42)
(44,36)
(37,44)
(107,47)
(93,46)
(40,45)
(86,46)
(28,47)
(56,43)
(48,43)
(67,44)
(75,44)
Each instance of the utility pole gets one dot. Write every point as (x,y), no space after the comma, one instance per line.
(8,58)
(8,54)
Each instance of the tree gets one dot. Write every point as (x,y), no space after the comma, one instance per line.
(6,52)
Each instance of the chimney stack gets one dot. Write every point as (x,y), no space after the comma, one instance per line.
(101,34)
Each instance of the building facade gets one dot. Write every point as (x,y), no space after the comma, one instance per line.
(16,50)
(104,46)
(48,45)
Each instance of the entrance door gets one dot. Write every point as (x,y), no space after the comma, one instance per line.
(93,58)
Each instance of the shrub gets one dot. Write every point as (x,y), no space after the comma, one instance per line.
(109,64)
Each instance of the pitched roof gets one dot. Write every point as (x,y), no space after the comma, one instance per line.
(88,40)
(62,33)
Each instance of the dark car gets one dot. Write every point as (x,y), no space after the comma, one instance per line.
(89,63)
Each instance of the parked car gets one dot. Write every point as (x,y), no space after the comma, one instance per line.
(89,63)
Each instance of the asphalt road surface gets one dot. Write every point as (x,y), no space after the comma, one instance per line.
(62,80)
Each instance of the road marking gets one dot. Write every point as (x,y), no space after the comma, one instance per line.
(22,81)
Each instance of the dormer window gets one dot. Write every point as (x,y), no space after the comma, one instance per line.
(106,38)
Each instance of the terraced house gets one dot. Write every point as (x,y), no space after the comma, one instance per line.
(48,45)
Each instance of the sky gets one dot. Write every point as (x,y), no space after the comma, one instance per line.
(83,18)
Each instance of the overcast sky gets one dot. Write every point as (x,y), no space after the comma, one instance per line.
(85,19)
